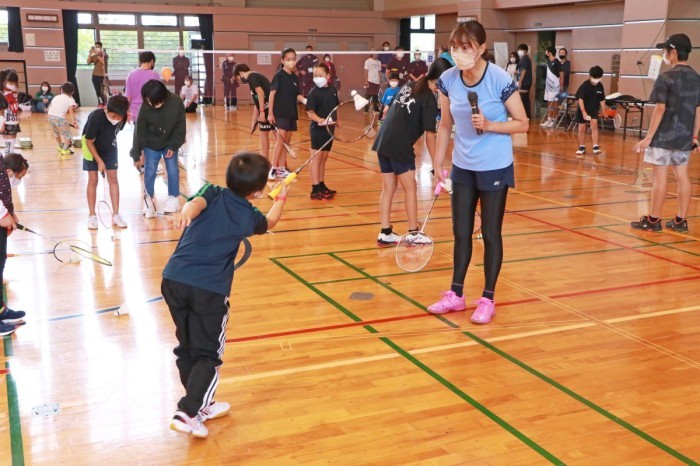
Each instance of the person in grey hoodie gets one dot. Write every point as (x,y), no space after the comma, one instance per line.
(160,132)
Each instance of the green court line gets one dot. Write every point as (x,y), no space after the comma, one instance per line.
(16,444)
(583,400)
(544,378)
(656,243)
(427,370)
(483,409)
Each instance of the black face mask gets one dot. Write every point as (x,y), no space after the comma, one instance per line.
(244,80)
(562,57)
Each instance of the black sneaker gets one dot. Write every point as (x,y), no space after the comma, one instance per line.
(645,224)
(318,196)
(329,192)
(679,227)
(8,316)
(6,329)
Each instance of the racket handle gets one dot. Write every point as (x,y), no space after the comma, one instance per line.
(438,187)
(291,177)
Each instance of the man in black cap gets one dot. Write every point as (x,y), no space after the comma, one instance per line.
(673,133)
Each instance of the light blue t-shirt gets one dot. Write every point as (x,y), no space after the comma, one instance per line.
(489,151)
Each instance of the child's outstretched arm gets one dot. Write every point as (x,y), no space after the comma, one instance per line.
(275,213)
(190,211)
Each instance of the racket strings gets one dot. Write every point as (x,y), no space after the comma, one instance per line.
(414,251)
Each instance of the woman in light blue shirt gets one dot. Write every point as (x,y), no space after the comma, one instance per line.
(482,159)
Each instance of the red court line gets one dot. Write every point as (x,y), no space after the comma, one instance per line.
(426,314)
(623,246)
(4,371)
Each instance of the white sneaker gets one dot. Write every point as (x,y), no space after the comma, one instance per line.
(118,221)
(233,109)
(214,410)
(149,208)
(92,222)
(273,174)
(282,173)
(596,150)
(172,205)
(387,240)
(580,152)
(418,238)
(181,422)
(544,124)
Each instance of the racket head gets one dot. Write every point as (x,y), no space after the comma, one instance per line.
(643,180)
(104,214)
(414,251)
(244,251)
(353,124)
(73,251)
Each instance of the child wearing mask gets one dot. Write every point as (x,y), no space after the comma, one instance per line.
(591,100)
(62,118)
(190,95)
(512,66)
(100,140)
(390,92)
(230,84)
(12,168)
(322,100)
(9,82)
(42,98)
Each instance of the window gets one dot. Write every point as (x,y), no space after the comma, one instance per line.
(191,22)
(423,23)
(415,22)
(429,21)
(120,62)
(115,19)
(84,18)
(3,27)
(159,20)
(162,40)
(86,39)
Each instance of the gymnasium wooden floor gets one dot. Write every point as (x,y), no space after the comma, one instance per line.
(592,360)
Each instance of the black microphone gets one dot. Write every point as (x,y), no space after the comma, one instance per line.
(474,102)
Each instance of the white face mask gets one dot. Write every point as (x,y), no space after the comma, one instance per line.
(464,60)
(230,58)
(44,89)
(595,81)
(14,182)
(393,83)
(320,81)
(327,59)
(11,87)
(666,60)
(98,49)
(385,48)
(188,83)
(181,54)
(512,59)
(290,64)
(521,53)
(114,122)
(399,55)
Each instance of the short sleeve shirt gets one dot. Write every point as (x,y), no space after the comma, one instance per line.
(322,101)
(287,87)
(409,116)
(679,89)
(373,68)
(592,95)
(488,151)
(399,66)
(204,256)
(525,66)
(553,69)
(103,133)
(417,68)
(256,80)
(60,105)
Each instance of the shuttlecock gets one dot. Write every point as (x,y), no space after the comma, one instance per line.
(360,102)
(447,185)
(122,311)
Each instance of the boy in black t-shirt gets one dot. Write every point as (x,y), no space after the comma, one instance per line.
(260,93)
(198,276)
(591,100)
(100,154)
(321,102)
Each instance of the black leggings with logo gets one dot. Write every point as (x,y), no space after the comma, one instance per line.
(493,207)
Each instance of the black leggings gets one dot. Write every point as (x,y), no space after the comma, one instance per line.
(97,82)
(3,256)
(493,207)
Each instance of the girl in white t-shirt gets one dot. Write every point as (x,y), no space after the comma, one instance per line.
(62,117)
(373,68)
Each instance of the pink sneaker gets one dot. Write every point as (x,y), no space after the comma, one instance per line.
(449,302)
(485,311)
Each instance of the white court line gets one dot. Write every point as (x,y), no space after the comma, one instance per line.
(432,349)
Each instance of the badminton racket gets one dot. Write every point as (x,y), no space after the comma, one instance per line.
(148,203)
(69,250)
(250,136)
(415,248)
(293,176)
(242,257)
(104,210)
(355,124)
(643,180)
(287,147)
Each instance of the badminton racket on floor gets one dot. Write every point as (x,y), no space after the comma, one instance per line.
(415,249)
(69,250)
(643,180)
(355,124)
(287,147)
(104,210)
